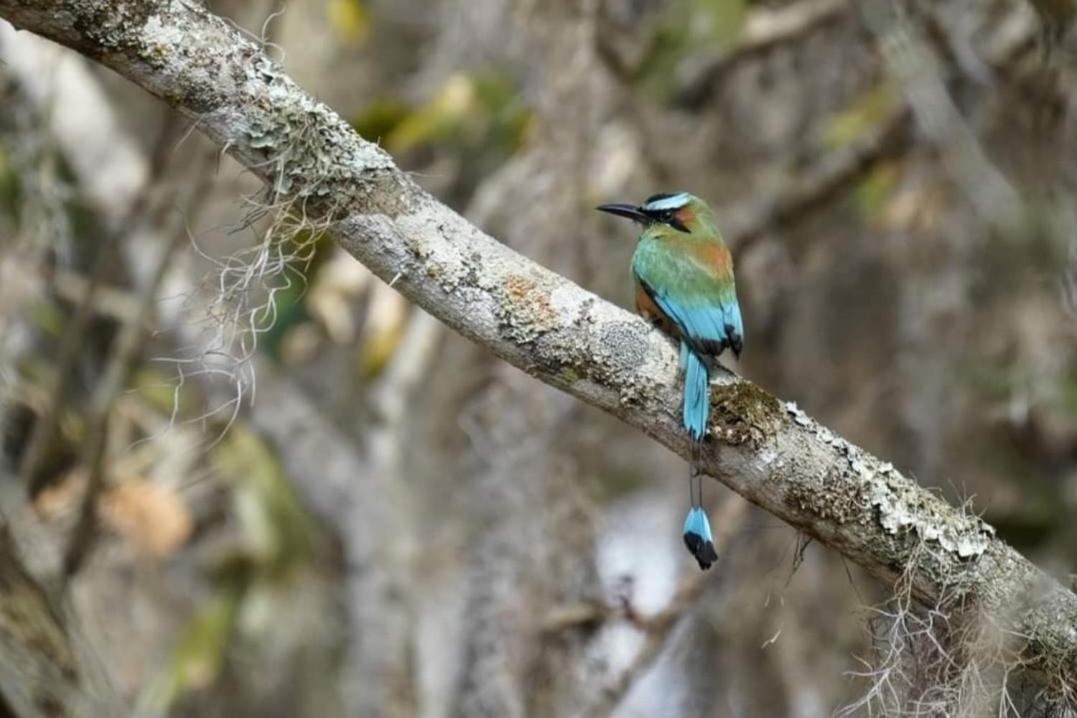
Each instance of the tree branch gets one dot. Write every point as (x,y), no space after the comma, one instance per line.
(764,30)
(825,179)
(658,628)
(45,669)
(767,450)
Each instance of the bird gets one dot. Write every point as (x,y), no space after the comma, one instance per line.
(683,274)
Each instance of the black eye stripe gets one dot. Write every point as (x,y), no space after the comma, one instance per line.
(666,216)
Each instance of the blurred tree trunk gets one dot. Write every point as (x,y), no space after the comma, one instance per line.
(532,542)
(44,669)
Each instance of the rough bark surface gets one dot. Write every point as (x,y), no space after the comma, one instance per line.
(765,449)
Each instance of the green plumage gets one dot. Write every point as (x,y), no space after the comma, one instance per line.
(686,267)
(684,276)
(684,285)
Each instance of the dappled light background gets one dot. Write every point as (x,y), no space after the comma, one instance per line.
(263,484)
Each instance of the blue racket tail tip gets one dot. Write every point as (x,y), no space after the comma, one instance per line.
(698,538)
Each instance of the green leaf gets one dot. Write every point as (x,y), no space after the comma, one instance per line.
(200,651)
(860,117)
(350,20)
(277,532)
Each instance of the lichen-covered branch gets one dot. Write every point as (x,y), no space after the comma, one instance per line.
(767,450)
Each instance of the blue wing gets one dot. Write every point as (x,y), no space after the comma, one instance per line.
(708,329)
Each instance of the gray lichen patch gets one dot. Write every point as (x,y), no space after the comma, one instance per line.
(570,302)
(110,26)
(525,311)
(436,259)
(902,506)
(620,357)
(742,413)
(310,151)
(621,350)
(159,40)
(622,346)
(828,497)
(798,416)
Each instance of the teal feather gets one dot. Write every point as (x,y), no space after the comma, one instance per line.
(688,275)
(685,286)
(696,393)
(698,537)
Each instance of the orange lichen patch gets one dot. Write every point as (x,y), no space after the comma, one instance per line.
(155,519)
(531,302)
(519,287)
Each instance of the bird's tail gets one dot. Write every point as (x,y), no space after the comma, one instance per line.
(696,392)
(698,538)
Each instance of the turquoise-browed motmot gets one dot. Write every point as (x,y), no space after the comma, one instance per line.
(684,285)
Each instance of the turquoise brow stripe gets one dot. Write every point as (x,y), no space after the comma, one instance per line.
(675,202)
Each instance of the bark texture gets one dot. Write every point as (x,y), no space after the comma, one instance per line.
(765,449)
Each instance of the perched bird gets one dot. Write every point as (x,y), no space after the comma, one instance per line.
(684,285)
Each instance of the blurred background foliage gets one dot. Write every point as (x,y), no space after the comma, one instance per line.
(307,498)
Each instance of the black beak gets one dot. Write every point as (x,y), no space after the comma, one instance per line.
(625,210)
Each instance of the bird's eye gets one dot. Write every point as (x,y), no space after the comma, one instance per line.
(674,221)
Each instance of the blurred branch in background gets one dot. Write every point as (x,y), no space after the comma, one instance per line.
(380,677)
(658,628)
(912,62)
(128,343)
(818,184)
(764,30)
(44,671)
(118,216)
(521,433)
(838,170)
